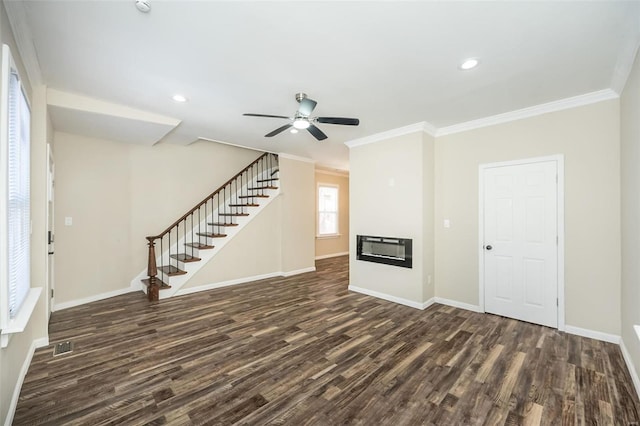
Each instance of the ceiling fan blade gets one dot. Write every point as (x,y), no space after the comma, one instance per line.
(339,120)
(278,130)
(317,133)
(265,115)
(306,106)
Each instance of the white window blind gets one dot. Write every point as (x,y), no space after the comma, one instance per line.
(15,220)
(327,209)
(17,202)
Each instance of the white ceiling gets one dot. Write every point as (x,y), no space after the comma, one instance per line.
(390,64)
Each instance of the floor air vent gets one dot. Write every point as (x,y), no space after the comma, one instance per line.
(63,348)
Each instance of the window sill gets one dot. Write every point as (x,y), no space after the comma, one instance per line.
(19,323)
(328,236)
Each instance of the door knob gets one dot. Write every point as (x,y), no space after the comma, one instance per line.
(488,247)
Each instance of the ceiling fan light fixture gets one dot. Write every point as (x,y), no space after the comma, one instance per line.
(179,98)
(300,123)
(294,131)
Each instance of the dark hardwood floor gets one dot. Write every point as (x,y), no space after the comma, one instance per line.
(304,350)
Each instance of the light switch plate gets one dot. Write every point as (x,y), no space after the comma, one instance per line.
(447,223)
(68,221)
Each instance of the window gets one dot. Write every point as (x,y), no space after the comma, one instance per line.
(15,221)
(327,210)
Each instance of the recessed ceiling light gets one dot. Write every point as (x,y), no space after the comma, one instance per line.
(143,6)
(294,130)
(179,98)
(469,63)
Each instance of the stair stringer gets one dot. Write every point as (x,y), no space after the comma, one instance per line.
(178,281)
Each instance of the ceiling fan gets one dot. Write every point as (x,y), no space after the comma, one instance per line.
(302,119)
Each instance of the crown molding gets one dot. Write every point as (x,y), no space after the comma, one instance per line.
(295,157)
(202,138)
(426,127)
(24,41)
(562,104)
(340,173)
(400,131)
(623,67)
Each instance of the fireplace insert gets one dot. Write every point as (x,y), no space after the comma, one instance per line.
(387,250)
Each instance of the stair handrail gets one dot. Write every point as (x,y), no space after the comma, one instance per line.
(201,203)
(152,269)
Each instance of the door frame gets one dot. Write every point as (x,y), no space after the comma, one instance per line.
(559,159)
(50,213)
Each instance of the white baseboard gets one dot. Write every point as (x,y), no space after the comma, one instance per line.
(428,303)
(328,256)
(456,304)
(38,343)
(205,287)
(94,298)
(592,334)
(298,271)
(632,370)
(41,343)
(390,298)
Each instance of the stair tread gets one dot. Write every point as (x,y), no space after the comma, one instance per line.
(171,270)
(267,180)
(262,187)
(254,196)
(245,205)
(199,246)
(233,214)
(222,224)
(185,257)
(211,235)
(163,285)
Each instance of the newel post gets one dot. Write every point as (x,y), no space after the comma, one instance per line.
(153,291)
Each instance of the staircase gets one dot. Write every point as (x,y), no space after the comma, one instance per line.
(194,239)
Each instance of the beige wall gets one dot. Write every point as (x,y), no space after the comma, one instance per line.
(117,194)
(13,357)
(328,246)
(630,176)
(298,224)
(428,212)
(260,245)
(115,199)
(93,255)
(588,137)
(386,199)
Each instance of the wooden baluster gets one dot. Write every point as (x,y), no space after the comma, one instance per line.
(153,292)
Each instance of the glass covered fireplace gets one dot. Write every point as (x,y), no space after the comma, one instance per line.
(387,250)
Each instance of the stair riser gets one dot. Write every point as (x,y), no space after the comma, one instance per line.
(192,252)
(209,241)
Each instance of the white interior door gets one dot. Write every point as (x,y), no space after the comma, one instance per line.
(520,247)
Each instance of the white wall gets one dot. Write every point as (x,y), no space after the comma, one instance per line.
(588,136)
(630,176)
